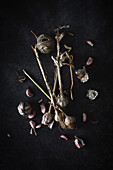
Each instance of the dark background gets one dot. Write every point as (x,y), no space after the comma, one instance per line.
(88,19)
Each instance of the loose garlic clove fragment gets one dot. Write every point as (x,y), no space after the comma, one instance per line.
(84,117)
(38,126)
(89,61)
(47,118)
(82,75)
(32,115)
(79,142)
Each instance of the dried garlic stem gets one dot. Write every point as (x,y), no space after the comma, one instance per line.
(71,73)
(58,58)
(44,76)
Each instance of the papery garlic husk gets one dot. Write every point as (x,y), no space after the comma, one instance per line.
(82,75)
(45,43)
(70,122)
(62,101)
(47,118)
(92,94)
(85,78)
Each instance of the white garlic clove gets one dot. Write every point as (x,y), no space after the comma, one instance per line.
(79,142)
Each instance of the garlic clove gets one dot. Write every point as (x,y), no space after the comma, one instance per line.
(43,108)
(32,115)
(89,61)
(79,142)
(38,126)
(63,137)
(29,93)
(90,43)
(31,131)
(32,124)
(84,117)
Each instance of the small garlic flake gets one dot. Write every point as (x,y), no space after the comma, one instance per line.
(63,137)
(84,117)
(90,43)
(38,126)
(29,93)
(89,61)
(79,142)
(43,108)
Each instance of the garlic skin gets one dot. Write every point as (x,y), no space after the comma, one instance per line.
(70,122)
(92,94)
(62,100)
(82,75)
(79,142)
(46,118)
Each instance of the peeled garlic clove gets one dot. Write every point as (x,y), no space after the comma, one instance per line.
(31,131)
(62,100)
(89,61)
(29,93)
(84,117)
(47,118)
(32,124)
(50,126)
(63,137)
(92,94)
(70,122)
(38,126)
(90,43)
(43,108)
(79,142)
(32,115)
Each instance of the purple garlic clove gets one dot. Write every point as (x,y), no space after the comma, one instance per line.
(90,43)
(63,137)
(32,115)
(89,61)
(43,108)
(29,93)
(79,142)
(84,117)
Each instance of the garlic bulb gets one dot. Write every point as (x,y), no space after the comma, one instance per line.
(47,118)
(62,100)
(70,121)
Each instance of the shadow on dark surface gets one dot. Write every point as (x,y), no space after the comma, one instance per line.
(87,20)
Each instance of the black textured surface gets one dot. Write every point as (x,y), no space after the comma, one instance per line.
(88,20)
